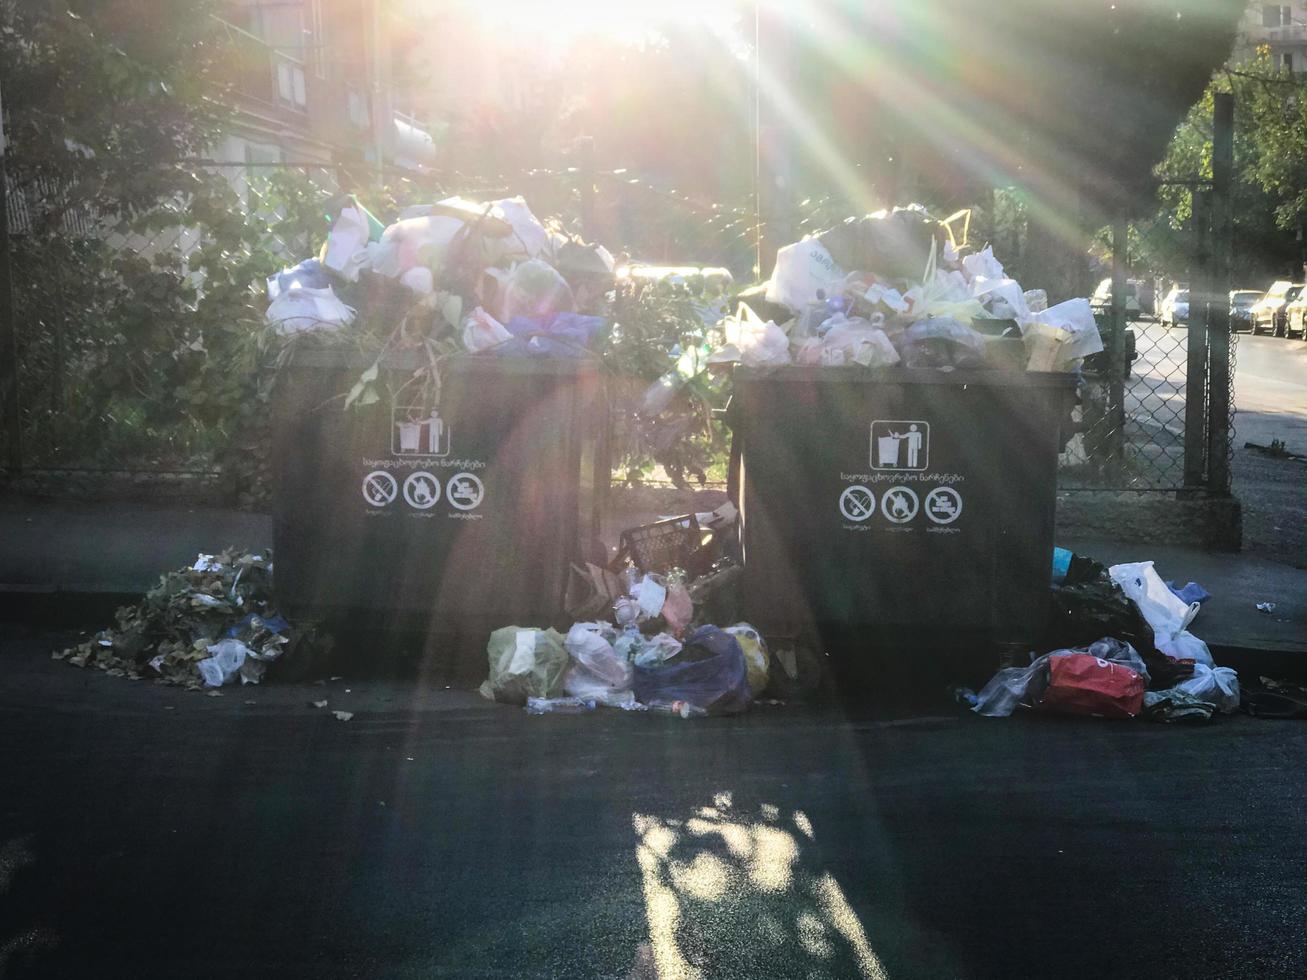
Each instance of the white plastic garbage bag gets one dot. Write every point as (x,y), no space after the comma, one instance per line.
(856,341)
(983,263)
(301,309)
(596,670)
(1062,334)
(801,269)
(530,239)
(226,658)
(1219,685)
(1185,646)
(1002,297)
(346,251)
(887,296)
(481,331)
(1161,608)
(415,241)
(759,342)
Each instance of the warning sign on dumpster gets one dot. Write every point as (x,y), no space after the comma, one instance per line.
(905,488)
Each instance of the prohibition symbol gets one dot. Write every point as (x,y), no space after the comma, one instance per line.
(857,503)
(943,505)
(899,504)
(421,490)
(379,488)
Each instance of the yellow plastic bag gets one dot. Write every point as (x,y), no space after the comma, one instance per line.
(756,661)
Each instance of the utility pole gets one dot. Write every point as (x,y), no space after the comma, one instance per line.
(382,114)
(775,164)
(1218,315)
(8,335)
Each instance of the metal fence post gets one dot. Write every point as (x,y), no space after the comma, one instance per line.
(1202,295)
(1218,321)
(1116,356)
(8,331)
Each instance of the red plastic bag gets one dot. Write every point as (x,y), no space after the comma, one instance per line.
(1082,684)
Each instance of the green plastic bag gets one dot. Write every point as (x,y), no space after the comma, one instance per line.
(524,663)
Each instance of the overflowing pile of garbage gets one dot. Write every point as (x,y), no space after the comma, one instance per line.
(895,287)
(1127,651)
(204,625)
(490,273)
(649,643)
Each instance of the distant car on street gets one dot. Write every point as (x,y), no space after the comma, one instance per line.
(1101,301)
(1295,315)
(1175,307)
(1241,305)
(1270,309)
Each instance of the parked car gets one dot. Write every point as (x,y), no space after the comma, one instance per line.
(1101,301)
(1295,315)
(1175,307)
(1241,305)
(1269,310)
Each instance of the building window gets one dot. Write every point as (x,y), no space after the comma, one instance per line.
(1286,61)
(318,38)
(1275,15)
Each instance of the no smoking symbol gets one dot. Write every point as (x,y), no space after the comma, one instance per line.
(857,503)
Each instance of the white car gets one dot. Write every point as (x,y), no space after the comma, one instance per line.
(1101,301)
(1175,308)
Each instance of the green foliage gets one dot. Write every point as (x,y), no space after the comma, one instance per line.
(663,394)
(1269,196)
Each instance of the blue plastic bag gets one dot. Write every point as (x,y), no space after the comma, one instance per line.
(709,673)
(558,335)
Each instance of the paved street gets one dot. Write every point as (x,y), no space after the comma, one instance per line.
(148,832)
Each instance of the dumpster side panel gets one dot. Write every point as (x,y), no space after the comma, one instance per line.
(896,501)
(477,528)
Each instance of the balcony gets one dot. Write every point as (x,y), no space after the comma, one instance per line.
(267,75)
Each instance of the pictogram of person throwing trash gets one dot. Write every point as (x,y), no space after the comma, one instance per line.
(890,449)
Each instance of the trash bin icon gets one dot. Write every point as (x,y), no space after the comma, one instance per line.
(410,433)
(887,451)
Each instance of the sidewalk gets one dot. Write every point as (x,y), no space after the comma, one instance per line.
(107,552)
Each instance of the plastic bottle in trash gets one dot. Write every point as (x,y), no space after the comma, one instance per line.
(682,708)
(559,706)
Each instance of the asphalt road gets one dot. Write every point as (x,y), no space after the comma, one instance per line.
(147,832)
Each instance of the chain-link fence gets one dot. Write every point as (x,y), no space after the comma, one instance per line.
(1145,419)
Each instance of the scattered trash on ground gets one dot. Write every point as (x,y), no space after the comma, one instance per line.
(205,625)
(1145,662)
(657,649)
(1276,450)
(1266,607)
